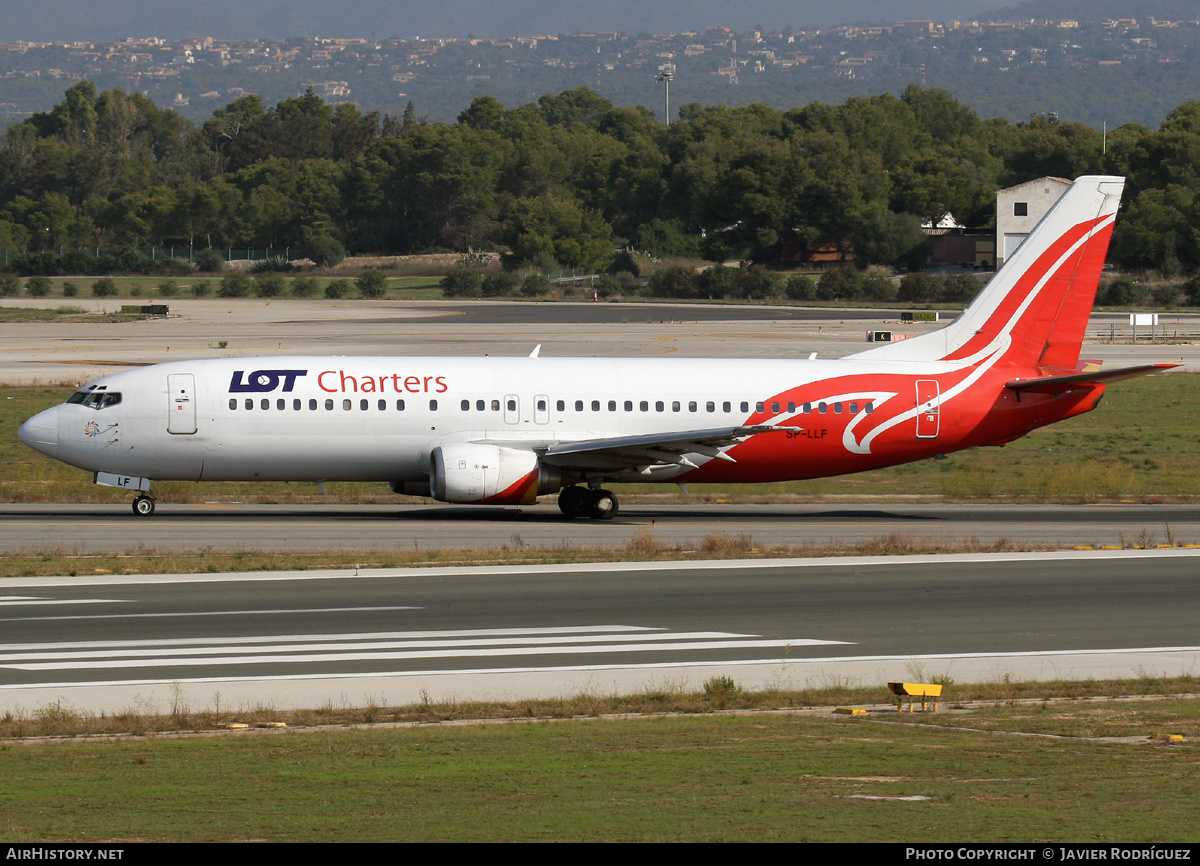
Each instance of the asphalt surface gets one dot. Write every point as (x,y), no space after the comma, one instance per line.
(270,528)
(304,639)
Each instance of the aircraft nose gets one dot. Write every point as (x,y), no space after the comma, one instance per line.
(41,432)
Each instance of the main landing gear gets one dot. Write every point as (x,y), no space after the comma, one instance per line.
(143,506)
(582,502)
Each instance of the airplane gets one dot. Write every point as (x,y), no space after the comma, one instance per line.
(504,431)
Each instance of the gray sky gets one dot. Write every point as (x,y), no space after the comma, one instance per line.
(105,20)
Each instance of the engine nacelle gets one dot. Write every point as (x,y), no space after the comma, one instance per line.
(488,474)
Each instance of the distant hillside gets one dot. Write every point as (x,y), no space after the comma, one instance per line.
(1098,10)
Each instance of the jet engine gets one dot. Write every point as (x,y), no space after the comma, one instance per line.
(490,474)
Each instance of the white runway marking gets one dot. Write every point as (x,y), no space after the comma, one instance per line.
(26,600)
(174,614)
(311,649)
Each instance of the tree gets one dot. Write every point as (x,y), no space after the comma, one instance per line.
(555,227)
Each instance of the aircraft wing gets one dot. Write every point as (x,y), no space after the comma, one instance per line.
(654,449)
(1082,381)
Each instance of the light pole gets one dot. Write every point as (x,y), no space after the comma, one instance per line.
(665,78)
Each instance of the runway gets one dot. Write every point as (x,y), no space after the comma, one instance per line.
(227,527)
(400,636)
(202,328)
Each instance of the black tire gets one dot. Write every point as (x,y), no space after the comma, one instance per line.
(602,505)
(143,506)
(573,501)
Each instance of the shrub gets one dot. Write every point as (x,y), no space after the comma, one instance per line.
(919,288)
(840,284)
(461,282)
(323,249)
(38,287)
(498,285)
(607,287)
(235,285)
(10,285)
(760,284)
(718,282)
(201,289)
(70,290)
(536,286)
(371,284)
(304,287)
(1121,292)
(800,288)
(276,264)
(673,283)
(337,289)
(269,284)
(210,261)
(168,288)
(104,288)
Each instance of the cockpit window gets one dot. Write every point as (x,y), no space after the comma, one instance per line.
(96,399)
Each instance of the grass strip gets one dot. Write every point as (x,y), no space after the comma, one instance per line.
(680,770)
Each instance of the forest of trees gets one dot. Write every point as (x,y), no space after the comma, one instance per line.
(570,179)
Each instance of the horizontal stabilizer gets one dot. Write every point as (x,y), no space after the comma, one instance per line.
(1082,381)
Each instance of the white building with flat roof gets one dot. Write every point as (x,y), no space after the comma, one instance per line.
(1018,209)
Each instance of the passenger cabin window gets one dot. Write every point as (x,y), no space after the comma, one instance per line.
(399,405)
(480,405)
(466,405)
(233,402)
(346,405)
(433,405)
(249,402)
(328,405)
(561,405)
(281,403)
(612,405)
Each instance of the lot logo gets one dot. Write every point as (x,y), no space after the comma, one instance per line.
(264,380)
